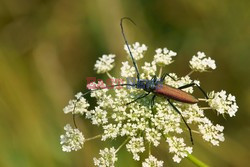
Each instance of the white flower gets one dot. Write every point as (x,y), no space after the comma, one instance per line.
(111,131)
(179,148)
(166,119)
(153,135)
(211,133)
(149,70)
(193,113)
(78,106)
(127,70)
(222,103)
(201,63)
(72,140)
(107,159)
(135,146)
(105,101)
(164,56)
(98,116)
(70,107)
(78,95)
(141,122)
(129,129)
(151,161)
(137,50)
(99,89)
(105,63)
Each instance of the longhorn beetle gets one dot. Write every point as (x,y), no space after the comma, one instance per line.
(157,86)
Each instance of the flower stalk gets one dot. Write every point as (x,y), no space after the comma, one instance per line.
(109,75)
(93,138)
(160,72)
(191,72)
(149,148)
(124,142)
(196,161)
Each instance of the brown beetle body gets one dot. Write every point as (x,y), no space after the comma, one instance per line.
(174,93)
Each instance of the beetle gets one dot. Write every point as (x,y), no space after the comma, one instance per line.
(158,88)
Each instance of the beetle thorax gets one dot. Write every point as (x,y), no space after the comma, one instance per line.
(147,85)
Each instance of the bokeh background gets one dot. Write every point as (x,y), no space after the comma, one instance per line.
(49,47)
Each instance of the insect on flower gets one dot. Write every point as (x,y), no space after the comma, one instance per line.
(158,88)
(153,106)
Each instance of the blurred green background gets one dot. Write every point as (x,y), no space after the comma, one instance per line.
(49,47)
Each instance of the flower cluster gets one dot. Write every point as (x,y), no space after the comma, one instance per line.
(164,56)
(135,146)
(210,132)
(127,70)
(178,147)
(72,140)
(142,125)
(201,63)
(108,158)
(105,63)
(223,103)
(77,106)
(151,161)
(149,70)
(137,50)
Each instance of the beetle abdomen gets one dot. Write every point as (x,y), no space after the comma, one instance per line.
(175,94)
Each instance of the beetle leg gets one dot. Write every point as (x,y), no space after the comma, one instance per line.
(189,129)
(154,79)
(164,76)
(140,97)
(194,84)
(152,102)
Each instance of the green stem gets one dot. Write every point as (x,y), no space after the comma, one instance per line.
(149,148)
(125,141)
(195,131)
(196,161)
(205,108)
(92,138)
(191,72)
(109,75)
(160,72)
(201,99)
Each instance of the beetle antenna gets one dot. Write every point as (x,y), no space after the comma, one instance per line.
(126,42)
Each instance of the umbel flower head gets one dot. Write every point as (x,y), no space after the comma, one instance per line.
(105,63)
(201,63)
(108,158)
(143,127)
(72,140)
